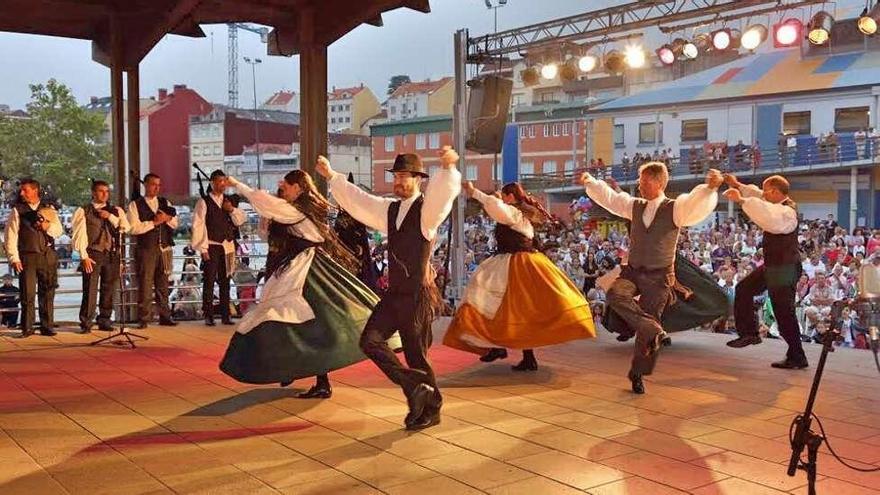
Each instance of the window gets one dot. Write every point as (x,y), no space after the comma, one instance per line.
(389,143)
(618,135)
(796,123)
(694,130)
(851,119)
(333,120)
(531,131)
(566,129)
(420,141)
(348,120)
(549,167)
(415,107)
(403,108)
(523,132)
(556,130)
(546,130)
(647,133)
(574,128)
(217,151)
(471,172)
(434,140)
(569,166)
(393,110)
(197,151)
(527,168)
(389,177)
(347,108)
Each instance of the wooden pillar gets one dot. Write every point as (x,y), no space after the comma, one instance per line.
(118,118)
(134,130)
(313,84)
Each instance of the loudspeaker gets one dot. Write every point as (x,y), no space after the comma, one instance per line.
(488,105)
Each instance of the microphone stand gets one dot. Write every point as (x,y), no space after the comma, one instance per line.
(122,331)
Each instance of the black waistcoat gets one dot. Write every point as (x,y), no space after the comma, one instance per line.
(409,251)
(284,245)
(217,222)
(782,249)
(161,235)
(510,241)
(31,240)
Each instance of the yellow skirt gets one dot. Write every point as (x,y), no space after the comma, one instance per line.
(519,301)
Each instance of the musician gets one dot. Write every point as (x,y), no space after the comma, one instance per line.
(96,230)
(153,221)
(31,231)
(215,221)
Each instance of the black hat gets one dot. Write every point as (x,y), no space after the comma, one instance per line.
(408,162)
(217,173)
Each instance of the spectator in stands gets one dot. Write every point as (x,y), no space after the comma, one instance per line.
(819,300)
(814,265)
(861,138)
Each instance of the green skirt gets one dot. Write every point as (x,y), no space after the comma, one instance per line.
(276,351)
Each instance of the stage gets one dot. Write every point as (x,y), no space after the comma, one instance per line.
(163,419)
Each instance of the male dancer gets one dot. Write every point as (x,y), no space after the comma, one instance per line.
(31,231)
(153,221)
(213,235)
(96,229)
(650,274)
(773,211)
(412,301)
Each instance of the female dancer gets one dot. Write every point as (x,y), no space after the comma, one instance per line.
(312,311)
(517,298)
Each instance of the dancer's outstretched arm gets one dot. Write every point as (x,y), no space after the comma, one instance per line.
(497,209)
(693,207)
(268,205)
(617,202)
(367,209)
(441,192)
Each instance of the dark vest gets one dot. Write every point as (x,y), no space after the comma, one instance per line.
(31,240)
(218,222)
(162,235)
(653,248)
(284,246)
(409,251)
(101,233)
(510,241)
(782,249)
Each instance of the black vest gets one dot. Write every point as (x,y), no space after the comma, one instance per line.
(409,251)
(653,248)
(31,240)
(284,245)
(217,222)
(782,249)
(510,241)
(100,231)
(162,235)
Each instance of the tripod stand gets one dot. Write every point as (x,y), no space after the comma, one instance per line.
(122,331)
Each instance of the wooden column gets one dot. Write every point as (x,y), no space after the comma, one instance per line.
(134,130)
(313,84)
(118,122)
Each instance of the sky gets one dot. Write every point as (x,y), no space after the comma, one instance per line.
(412,43)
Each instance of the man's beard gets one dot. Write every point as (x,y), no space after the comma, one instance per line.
(400,192)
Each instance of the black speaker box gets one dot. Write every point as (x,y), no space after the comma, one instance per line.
(488,105)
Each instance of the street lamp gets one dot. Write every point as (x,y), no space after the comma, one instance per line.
(501,3)
(253,63)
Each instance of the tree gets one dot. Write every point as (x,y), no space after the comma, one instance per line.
(59,144)
(397,81)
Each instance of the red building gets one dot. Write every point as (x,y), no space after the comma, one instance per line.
(165,138)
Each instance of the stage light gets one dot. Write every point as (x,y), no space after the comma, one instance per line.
(820,28)
(614,62)
(569,70)
(754,36)
(868,20)
(549,71)
(787,33)
(735,39)
(690,51)
(635,57)
(666,55)
(703,41)
(677,46)
(721,39)
(530,76)
(588,63)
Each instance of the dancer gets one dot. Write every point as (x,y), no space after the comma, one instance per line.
(650,274)
(772,210)
(517,298)
(413,300)
(309,319)
(355,237)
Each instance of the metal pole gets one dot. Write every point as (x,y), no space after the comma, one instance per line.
(459,129)
(256,123)
(853,196)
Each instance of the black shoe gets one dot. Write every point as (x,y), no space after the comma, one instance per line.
(227,321)
(105,325)
(141,325)
(526,365)
(427,420)
(209,321)
(85,328)
(48,332)
(493,354)
(167,322)
(623,338)
(744,341)
(25,334)
(418,400)
(789,364)
(286,383)
(317,392)
(638,386)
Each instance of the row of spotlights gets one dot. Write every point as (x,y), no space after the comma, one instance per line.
(633,57)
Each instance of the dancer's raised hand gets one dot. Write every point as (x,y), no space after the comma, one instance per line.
(322,167)
(448,157)
(582,178)
(714,179)
(733,195)
(732,181)
(468,188)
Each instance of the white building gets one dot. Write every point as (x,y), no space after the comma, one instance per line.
(421,99)
(284,101)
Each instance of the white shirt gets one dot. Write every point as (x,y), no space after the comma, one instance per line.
(137,226)
(505,214)
(372,211)
(12,227)
(200,240)
(688,209)
(271,207)
(81,235)
(775,218)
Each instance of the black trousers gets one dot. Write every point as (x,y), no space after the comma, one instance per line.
(215,270)
(152,283)
(104,278)
(781,285)
(654,289)
(38,279)
(398,313)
